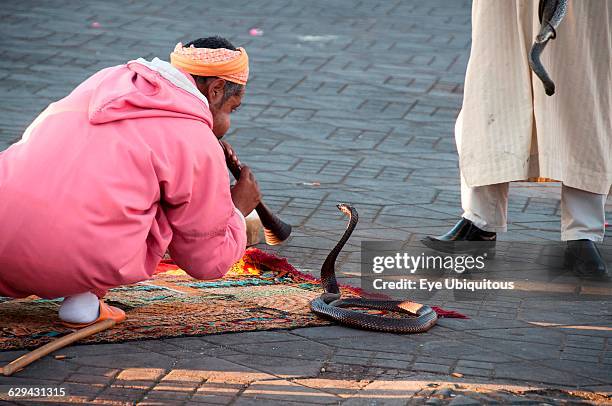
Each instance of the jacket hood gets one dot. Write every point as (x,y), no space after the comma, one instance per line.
(144,89)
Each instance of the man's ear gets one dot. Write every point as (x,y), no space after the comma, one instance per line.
(215,91)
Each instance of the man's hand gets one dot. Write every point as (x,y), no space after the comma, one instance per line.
(245,193)
(230,155)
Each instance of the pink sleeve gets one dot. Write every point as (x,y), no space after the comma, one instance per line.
(209,233)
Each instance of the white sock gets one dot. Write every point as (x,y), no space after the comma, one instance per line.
(81,308)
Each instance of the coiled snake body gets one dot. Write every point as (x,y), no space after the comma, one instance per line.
(331,306)
(551,13)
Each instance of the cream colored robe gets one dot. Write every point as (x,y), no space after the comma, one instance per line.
(511,129)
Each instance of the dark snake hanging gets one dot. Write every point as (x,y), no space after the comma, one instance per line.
(330,304)
(551,13)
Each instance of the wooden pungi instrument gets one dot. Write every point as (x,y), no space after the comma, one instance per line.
(275,230)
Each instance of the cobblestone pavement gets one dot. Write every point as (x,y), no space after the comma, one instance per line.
(349,101)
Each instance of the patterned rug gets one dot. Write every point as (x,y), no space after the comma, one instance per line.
(261,292)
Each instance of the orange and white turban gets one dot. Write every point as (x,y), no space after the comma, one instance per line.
(220,62)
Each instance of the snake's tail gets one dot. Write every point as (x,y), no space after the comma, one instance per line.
(538,68)
(551,13)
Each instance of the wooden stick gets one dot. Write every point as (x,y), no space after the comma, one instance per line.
(27,359)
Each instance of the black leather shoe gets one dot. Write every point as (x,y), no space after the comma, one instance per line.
(464,231)
(584,259)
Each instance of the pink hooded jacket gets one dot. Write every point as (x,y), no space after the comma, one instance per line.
(108,178)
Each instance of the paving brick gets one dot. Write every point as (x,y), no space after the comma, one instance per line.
(473,371)
(436,368)
(475,364)
(216,370)
(94,380)
(140,374)
(285,390)
(120,394)
(132,384)
(164,393)
(185,376)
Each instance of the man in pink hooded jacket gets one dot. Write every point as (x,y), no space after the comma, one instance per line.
(123,168)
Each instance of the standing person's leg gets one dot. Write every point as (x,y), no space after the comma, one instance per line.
(582,224)
(486,206)
(484,215)
(582,215)
(484,209)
